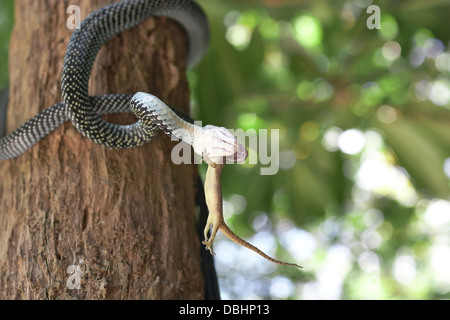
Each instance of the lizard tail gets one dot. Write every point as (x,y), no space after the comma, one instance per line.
(234,237)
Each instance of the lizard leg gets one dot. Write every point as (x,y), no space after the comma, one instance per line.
(213,196)
(215,227)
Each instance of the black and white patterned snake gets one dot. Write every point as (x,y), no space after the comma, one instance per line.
(86,112)
(214,144)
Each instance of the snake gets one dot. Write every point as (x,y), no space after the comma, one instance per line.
(215,144)
(85,112)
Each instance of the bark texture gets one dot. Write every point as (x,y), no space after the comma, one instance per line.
(126,218)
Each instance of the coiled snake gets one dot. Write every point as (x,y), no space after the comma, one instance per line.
(85,112)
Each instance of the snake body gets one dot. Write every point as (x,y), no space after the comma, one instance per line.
(85,112)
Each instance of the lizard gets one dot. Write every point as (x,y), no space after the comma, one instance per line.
(214,201)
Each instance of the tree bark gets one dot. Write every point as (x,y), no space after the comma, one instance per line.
(124,217)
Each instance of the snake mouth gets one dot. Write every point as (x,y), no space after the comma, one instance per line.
(239,156)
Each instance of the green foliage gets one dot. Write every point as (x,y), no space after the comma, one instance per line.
(361,199)
(6,23)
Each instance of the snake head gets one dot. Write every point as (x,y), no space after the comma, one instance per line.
(219,144)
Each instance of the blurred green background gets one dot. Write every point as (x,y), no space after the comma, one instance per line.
(362,195)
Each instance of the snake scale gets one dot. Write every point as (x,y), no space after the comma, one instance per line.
(85,112)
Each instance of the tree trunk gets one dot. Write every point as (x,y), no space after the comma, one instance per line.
(124,217)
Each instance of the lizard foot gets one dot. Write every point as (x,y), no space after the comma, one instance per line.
(209,240)
(208,246)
